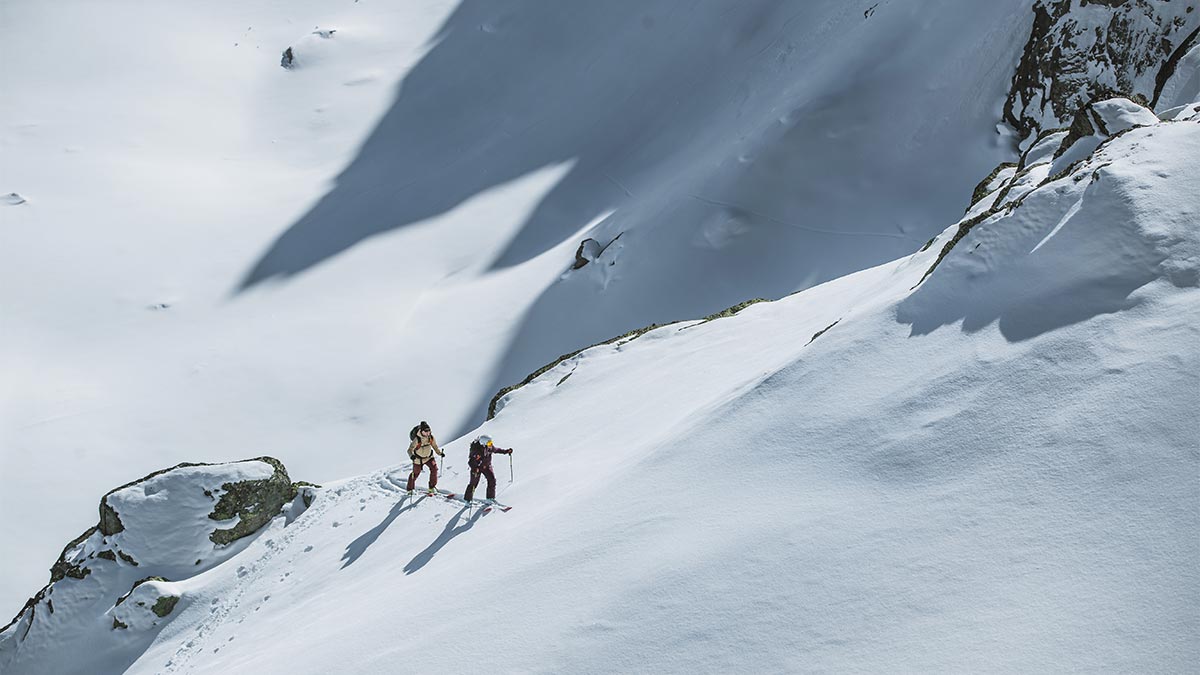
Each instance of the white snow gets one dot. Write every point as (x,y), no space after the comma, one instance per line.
(409,197)
(989,468)
(993,469)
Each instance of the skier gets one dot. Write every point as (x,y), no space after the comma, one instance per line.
(420,451)
(480,461)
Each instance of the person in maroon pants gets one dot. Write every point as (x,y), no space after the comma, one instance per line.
(421,451)
(480,461)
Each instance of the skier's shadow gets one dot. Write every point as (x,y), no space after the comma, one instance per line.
(451,531)
(359,546)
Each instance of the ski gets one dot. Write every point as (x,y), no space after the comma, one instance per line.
(488,506)
(445,494)
(458,499)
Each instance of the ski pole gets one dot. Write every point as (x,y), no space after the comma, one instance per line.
(510,470)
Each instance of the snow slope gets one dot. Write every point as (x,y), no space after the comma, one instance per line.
(987,467)
(210,256)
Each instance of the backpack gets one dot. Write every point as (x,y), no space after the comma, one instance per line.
(477,456)
(412,435)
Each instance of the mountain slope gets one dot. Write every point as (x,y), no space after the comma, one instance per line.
(986,466)
(215,256)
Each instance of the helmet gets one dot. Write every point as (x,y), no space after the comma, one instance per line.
(484,439)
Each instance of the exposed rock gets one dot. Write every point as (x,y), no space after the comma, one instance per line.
(110,522)
(587,252)
(166,520)
(164,605)
(983,189)
(253,502)
(823,331)
(289,59)
(1172,62)
(1095,49)
(61,570)
(495,404)
(132,588)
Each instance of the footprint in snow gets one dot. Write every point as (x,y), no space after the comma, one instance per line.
(12,199)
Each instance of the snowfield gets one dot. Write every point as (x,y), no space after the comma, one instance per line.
(976,452)
(219,258)
(991,469)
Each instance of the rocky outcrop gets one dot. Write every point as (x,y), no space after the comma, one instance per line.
(124,572)
(1085,50)
(1055,155)
(590,250)
(252,502)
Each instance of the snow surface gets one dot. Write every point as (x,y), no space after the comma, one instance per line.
(992,468)
(218,258)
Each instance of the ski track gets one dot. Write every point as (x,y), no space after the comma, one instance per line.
(275,541)
(383,484)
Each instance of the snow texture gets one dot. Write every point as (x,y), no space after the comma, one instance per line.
(992,469)
(981,456)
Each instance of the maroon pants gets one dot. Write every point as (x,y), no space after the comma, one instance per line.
(491,478)
(412,477)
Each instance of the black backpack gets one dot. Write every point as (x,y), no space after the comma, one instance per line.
(412,435)
(476,456)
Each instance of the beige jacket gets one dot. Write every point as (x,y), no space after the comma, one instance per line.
(421,450)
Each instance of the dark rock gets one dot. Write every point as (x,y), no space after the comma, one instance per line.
(1071,59)
(137,583)
(253,502)
(164,605)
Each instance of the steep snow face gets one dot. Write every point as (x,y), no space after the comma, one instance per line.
(116,585)
(1079,51)
(991,441)
(207,252)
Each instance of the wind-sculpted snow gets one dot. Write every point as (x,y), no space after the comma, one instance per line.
(1078,246)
